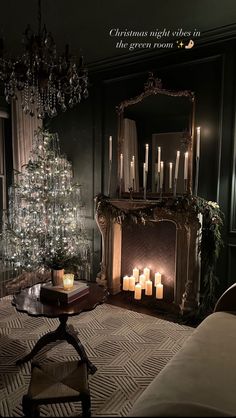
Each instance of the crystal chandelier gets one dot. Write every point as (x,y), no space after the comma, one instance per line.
(49,83)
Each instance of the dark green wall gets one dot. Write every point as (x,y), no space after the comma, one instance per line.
(210,72)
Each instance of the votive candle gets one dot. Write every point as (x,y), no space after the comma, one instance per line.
(68,281)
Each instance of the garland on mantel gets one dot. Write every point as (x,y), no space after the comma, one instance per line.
(211,242)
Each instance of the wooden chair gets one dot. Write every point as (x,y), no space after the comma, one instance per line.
(57,383)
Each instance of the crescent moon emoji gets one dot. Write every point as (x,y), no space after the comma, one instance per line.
(190,44)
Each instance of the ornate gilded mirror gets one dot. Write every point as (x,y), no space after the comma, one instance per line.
(155,141)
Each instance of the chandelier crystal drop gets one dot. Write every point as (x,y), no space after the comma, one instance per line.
(49,83)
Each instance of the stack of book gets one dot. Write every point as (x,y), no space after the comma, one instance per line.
(58,295)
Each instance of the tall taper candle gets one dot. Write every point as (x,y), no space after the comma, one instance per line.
(110,148)
(186,166)
(170,175)
(198,142)
(197,160)
(177,165)
(146,157)
(159,160)
(144,175)
(121,166)
(131,173)
(162,175)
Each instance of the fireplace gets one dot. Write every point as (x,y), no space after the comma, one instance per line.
(166,240)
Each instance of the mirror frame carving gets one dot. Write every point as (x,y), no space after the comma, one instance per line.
(153,86)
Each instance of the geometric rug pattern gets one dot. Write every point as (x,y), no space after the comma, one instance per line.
(128,348)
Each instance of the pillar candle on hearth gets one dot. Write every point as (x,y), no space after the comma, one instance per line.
(148,288)
(159,291)
(146,273)
(157,278)
(126,283)
(138,291)
(136,274)
(132,283)
(142,280)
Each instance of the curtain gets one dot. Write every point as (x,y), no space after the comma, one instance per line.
(130,150)
(23,128)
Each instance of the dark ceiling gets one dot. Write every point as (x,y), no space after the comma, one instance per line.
(85,25)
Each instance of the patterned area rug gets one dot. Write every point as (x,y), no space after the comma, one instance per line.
(128,348)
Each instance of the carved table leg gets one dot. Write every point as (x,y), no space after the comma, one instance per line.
(61,333)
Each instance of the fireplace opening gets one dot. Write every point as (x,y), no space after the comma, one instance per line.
(152,245)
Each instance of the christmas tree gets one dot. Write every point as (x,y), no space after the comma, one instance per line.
(44,226)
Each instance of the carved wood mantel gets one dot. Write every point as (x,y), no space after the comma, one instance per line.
(188,232)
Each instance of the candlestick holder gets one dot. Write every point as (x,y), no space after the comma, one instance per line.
(158,182)
(185,185)
(145,193)
(175,187)
(196,177)
(133,185)
(120,188)
(131,193)
(161,192)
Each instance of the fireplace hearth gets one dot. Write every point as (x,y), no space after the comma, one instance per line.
(156,234)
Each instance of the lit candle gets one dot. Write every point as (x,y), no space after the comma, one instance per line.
(144,175)
(121,166)
(146,157)
(198,142)
(68,281)
(138,291)
(132,283)
(132,169)
(162,175)
(185,165)
(159,291)
(136,274)
(142,280)
(146,273)
(170,175)
(157,278)
(110,148)
(148,288)
(126,283)
(177,165)
(159,159)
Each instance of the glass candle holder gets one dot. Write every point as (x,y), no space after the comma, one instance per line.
(68,281)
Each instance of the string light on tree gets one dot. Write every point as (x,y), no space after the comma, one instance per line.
(45,224)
